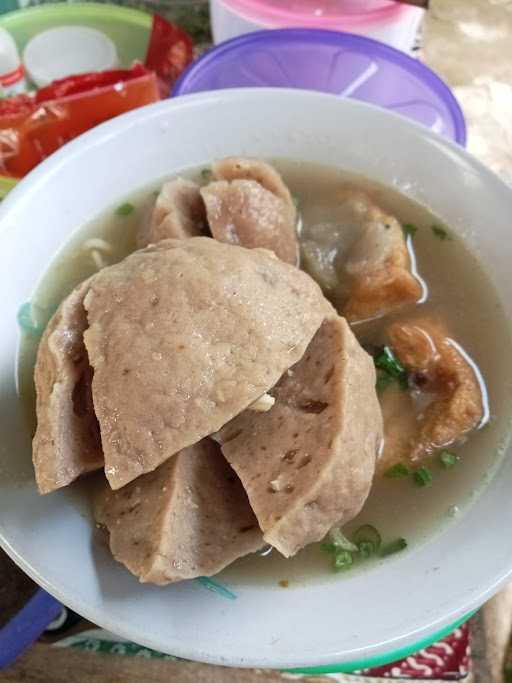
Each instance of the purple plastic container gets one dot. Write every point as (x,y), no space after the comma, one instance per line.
(329,61)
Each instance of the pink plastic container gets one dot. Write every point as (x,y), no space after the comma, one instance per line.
(384,20)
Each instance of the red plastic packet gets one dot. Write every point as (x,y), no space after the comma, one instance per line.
(170,51)
(73,85)
(18,104)
(32,127)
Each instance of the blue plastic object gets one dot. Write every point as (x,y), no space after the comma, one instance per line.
(26,626)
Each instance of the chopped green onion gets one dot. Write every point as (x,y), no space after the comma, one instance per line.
(403,381)
(383,381)
(367,535)
(343,560)
(440,232)
(366,549)
(341,542)
(125,209)
(216,587)
(398,471)
(206,174)
(27,322)
(328,547)
(367,542)
(409,229)
(296,201)
(393,547)
(389,363)
(423,477)
(448,459)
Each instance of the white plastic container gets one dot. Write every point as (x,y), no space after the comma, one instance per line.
(390,22)
(12,73)
(66,50)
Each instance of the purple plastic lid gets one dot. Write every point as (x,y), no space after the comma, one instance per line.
(329,61)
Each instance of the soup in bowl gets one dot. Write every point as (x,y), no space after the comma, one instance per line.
(271,344)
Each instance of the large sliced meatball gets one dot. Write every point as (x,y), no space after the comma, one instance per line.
(242,168)
(185,335)
(249,204)
(307,464)
(67,441)
(188,518)
(178,213)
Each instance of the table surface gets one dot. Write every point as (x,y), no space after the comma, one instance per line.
(469,43)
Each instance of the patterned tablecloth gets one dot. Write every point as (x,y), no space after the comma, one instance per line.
(446,660)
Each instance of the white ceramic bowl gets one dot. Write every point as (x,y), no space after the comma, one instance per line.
(359,615)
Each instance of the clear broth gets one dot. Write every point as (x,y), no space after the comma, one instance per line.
(459,292)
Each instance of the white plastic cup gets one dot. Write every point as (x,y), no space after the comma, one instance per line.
(390,22)
(67,50)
